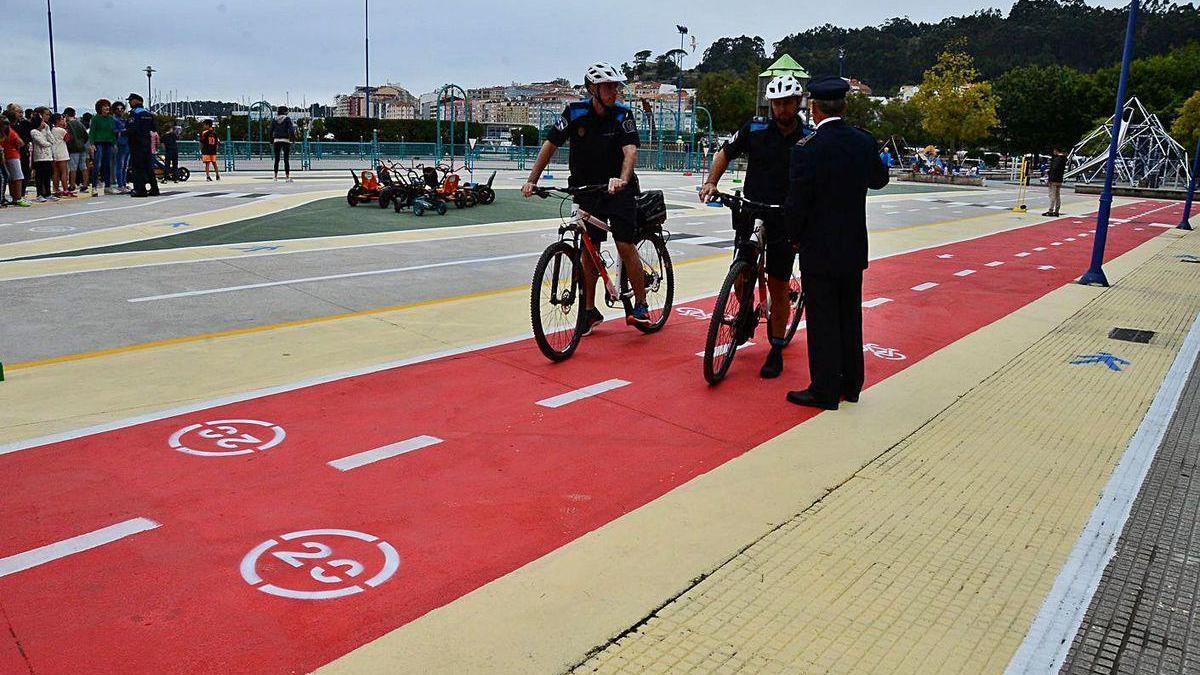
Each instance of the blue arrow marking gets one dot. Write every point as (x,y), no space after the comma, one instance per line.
(1113,362)
(254,249)
(175,225)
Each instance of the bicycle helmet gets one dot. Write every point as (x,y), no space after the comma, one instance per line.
(783,86)
(601,72)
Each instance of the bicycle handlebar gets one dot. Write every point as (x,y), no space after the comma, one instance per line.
(544,192)
(737,200)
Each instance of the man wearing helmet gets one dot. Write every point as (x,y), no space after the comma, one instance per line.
(604,141)
(767,145)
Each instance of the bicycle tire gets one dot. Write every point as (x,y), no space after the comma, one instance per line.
(795,305)
(661,276)
(716,365)
(553,345)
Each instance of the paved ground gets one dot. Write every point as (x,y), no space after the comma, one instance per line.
(224,446)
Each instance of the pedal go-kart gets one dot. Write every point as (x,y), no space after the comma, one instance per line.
(365,190)
(484,194)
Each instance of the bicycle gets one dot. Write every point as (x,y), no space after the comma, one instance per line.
(555,300)
(736,316)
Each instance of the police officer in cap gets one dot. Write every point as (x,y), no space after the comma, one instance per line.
(767,145)
(141,164)
(831,170)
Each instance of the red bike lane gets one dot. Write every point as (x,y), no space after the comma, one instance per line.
(274,560)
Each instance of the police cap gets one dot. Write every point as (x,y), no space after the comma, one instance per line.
(830,88)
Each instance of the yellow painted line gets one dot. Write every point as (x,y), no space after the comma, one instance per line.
(289,324)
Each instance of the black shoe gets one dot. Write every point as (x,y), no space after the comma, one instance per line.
(850,398)
(154,193)
(591,319)
(806,397)
(1048,213)
(773,366)
(138,195)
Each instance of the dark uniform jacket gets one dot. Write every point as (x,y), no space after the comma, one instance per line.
(768,153)
(141,123)
(597,143)
(831,170)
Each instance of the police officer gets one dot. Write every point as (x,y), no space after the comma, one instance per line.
(767,145)
(141,164)
(831,170)
(604,141)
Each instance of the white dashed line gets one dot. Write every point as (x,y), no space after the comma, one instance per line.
(964,273)
(1069,239)
(699,240)
(1023,254)
(925,286)
(1045,267)
(994,263)
(385,452)
(720,351)
(579,394)
(50,552)
(1056,243)
(946,256)
(876,302)
(1040,248)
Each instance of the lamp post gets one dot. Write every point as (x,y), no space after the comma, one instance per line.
(841,61)
(1095,274)
(149,71)
(1191,190)
(367,56)
(679,84)
(53,81)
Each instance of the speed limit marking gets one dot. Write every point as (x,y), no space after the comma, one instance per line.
(227,438)
(320,564)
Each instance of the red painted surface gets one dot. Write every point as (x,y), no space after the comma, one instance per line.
(511,482)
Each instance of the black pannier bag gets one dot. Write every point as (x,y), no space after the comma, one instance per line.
(651,209)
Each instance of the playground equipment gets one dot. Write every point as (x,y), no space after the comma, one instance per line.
(1146,155)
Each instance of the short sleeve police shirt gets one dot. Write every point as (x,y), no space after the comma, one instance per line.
(768,155)
(596,142)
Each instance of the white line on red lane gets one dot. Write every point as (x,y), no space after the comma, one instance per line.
(876,302)
(50,552)
(582,393)
(385,452)
(1023,254)
(925,286)
(964,273)
(720,351)
(994,263)
(1040,248)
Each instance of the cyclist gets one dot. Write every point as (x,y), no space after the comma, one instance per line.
(767,145)
(604,141)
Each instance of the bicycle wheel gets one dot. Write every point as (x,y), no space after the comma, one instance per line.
(728,315)
(795,306)
(659,278)
(556,301)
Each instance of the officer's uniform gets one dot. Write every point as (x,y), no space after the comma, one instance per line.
(141,165)
(596,155)
(768,152)
(831,170)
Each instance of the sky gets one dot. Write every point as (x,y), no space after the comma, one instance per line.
(310,50)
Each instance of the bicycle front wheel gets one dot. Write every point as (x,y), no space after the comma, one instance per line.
(659,278)
(734,303)
(556,301)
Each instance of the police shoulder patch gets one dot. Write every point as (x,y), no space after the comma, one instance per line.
(759,124)
(629,125)
(578,109)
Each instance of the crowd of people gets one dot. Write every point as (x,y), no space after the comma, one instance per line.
(64,155)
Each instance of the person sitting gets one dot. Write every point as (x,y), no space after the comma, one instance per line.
(369,182)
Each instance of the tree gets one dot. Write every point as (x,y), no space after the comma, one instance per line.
(863,112)
(730,97)
(1041,107)
(1186,128)
(740,54)
(901,119)
(956,108)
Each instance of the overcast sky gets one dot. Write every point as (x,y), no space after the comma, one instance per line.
(313,49)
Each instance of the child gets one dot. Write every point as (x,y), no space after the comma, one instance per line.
(42,156)
(208,149)
(11,142)
(62,155)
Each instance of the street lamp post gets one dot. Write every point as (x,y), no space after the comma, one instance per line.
(679,85)
(367,56)
(1095,273)
(149,71)
(841,61)
(53,81)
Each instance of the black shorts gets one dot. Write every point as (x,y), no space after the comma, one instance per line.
(781,253)
(619,211)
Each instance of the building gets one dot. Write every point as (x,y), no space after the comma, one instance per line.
(388,101)
(907,92)
(858,86)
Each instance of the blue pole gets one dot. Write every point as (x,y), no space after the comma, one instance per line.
(367,57)
(1095,274)
(1191,191)
(53,81)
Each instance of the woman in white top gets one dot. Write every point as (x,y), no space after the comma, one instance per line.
(42,156)
(62,156)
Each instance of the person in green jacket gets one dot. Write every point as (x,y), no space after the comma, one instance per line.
(105,139)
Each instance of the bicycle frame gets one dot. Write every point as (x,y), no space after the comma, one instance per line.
(580,219)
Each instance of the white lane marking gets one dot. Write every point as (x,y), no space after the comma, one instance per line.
(385,452)
(915,210)
(1045,267)
(876,302)
(964,273)
(699,240)
(44,554)
(157,200)
(1082,234)
(1056,243)
(992,206)
(946,256)
(1139,229)
(330,277)
(582,393)
(958,204)
(994,263)
(1023,254)
(720,351)
(1160,225)
(1069,239)
(695,222)
(1050,634)
(1040,248)
(925,286)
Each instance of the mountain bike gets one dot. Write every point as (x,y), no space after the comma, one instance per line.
(556,298)
(736,315)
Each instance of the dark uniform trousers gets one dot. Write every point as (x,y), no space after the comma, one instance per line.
(833,310)
(142,167)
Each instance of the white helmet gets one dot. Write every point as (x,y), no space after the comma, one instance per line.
(601,72)
(783,86)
